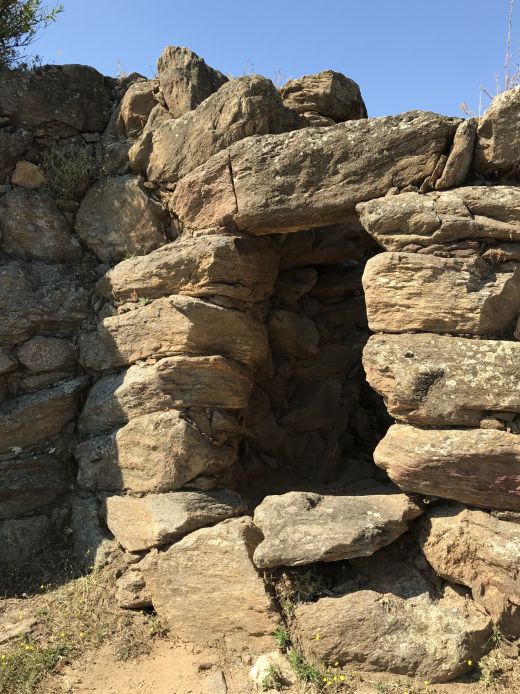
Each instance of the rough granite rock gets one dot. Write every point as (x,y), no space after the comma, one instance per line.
(158,452)
(311,177)
(13,143)
(480,467)
(240,108)
(185,79)
(33,228)
(93,546)
(131,589)
(474,549)
(418,636)
(27,175)
(498,137)
(58,100)
(471,212)
(158,519)
(171,382)
(27,484)
(118,218)
(134,109)
(207,588)
(460,157)
(327,93)
(438,379)
(304,527)
(174,324)
(408,291)
(232,265)
(40,354)
(40,298)
(30,419)
(22,538)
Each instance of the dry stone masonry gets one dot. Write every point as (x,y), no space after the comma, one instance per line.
(194,302)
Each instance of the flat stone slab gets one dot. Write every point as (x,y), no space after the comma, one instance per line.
(406,292)
(438,379)
(158,519)
(304,527)
(480,467)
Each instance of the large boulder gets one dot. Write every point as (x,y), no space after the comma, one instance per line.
(185,79)
(47,411)
(41,298)
(33,228)
(242,107)
(481,552)
(418,221)
(173,325)
(157,452)
(29,483)
(232,265)
(311,177)
(407,291)
(439,379)
(480,467)
(117,218)
(207,588)
(304,527)
(58,100)
(159,519)
(497,151)
(328,93)
(134,109)
(171,382)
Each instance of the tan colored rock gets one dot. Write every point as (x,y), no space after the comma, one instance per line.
(31,419)
(36,298)
(173,325)
(33,228)
(27,175)
(118,218)
(27,484)
(21,539)
(232,265)
(136,105)
(407,291)
(185,79)
(480,467)
(172,382)
(474,549)
(240,108)
(263,668)
(311,177)
(46,354)
(293,334)
(438,379)
(207,588)
(58,100)
(131,590)
(328,93)
(460,157)
(498,138)
(382,632)
(159,519)
(304,527)
(158,452)
(471,212)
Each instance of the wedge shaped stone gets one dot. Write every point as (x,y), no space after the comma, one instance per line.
(207,588)
(438,379)
(232,265)
(304,527)
(158,519)
(174,325)
(480,467)
(407,291)
(156,452)
(481,552)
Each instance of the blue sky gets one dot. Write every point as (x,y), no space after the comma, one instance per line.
(427,54)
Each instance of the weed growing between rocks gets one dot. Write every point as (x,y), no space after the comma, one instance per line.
(70,169)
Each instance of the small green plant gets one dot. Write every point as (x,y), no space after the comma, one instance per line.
(303,670)
(144,301)
(490,667)
(273,679)
(26,664)
(20,22)
(70,170)
(282,638)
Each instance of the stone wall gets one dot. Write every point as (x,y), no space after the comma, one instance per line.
(181,380)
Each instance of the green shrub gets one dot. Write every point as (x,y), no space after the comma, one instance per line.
(20,21)
(70,169)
